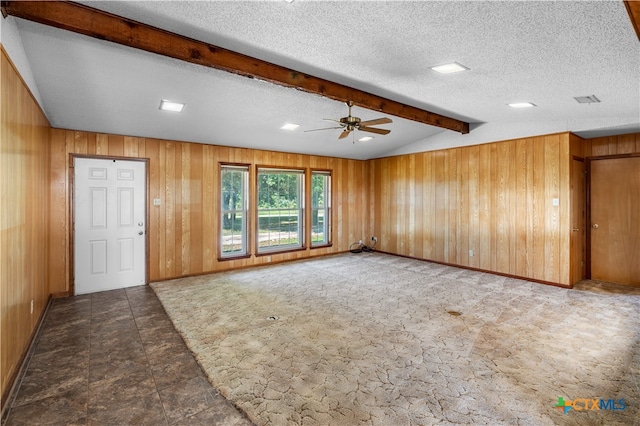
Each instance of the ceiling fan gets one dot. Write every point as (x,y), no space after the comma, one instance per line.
(351,123)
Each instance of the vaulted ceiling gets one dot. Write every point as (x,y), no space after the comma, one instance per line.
(545,53)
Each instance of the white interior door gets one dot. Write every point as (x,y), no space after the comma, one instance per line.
(109,224)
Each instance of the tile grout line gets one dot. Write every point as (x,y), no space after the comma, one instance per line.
(144,348)
(88,372)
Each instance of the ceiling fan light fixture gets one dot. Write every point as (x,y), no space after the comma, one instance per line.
(522,105)
(166,105)
(365,139)
(289,126)
(451,68)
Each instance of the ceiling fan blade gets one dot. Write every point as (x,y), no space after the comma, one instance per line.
(344,134)
(383,120)
(374,130)
(324,128)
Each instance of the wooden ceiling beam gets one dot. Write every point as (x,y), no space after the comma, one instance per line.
(105,26)
(633,9)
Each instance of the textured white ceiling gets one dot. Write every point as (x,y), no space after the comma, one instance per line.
(543,52)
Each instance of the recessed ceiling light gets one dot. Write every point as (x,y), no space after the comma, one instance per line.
(587,99)
(289,126)
(171,106)
(289,1)
(522,105)
(366,138)
(450,68)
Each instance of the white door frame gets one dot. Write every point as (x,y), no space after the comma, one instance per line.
(70,199)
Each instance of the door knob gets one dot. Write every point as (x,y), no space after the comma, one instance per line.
(140,232)
(595,226)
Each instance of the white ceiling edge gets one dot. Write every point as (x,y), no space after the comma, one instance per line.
(503,131)
(609,131)
(12,43)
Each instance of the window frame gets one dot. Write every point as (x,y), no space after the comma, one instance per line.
(328,212)
(260,251)
(246,253)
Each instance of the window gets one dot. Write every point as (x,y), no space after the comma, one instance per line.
(234,210)
(280,209)
(320,208)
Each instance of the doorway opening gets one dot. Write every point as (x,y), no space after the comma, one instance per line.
(109,223)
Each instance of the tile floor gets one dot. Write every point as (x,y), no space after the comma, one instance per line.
(114,358)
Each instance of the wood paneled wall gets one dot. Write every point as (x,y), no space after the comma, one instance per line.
(24,165)
(495,199)
(613,145)
(183,230)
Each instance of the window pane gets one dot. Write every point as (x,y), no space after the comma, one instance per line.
(233,211)
(320,208)
(318,186)
(280,209)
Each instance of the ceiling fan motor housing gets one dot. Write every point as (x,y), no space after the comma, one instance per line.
(352,121)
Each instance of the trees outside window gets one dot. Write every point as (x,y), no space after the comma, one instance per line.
(280,209)
(234,210)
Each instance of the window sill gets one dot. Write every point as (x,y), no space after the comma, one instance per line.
(322,246)
(286,250)
(243,256)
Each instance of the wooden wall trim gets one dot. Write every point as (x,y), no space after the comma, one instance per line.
(609,157)
(633,9)
(105,26)
(587,239)
(470,268)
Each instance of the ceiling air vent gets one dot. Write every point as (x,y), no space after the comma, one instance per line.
(587,99)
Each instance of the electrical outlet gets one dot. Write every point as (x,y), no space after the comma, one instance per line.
(374,239)
(360,242)
(471,253)
(268,258)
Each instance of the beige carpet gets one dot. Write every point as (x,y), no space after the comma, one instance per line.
(383,340)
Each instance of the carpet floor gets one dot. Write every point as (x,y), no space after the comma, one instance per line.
(378,339)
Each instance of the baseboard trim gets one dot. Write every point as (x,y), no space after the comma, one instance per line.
(256,265)
(551,283)
(9,394)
